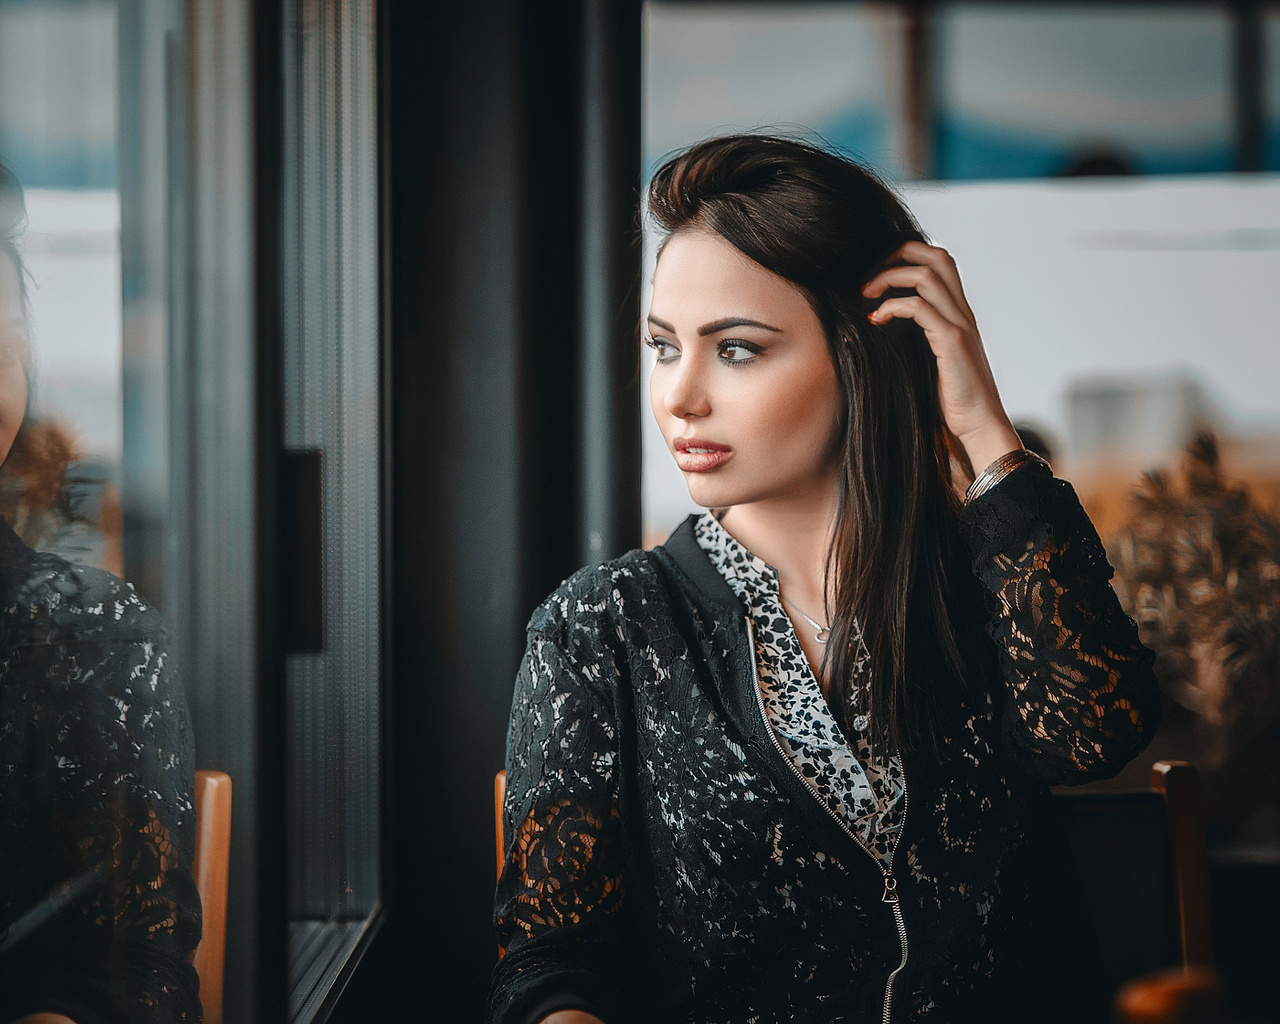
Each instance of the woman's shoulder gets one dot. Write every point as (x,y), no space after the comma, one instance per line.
(599,596)
(54,600)
(80,645)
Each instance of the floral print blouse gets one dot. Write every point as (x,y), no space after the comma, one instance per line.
(865,792)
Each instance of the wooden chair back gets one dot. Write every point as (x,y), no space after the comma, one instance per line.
(1179,783)
(1183,995)
(210,866)
(499,794)
(1141,858)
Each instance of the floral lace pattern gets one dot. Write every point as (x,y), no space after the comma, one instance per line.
(567,835)
(1068,699)
(667,864)
(99,914)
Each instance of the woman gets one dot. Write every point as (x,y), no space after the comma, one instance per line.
(99,914)
(792,763)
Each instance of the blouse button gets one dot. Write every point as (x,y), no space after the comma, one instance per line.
(860,722)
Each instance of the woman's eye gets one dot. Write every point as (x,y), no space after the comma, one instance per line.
(748,352)
(660,346)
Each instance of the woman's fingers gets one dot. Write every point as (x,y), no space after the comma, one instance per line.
(939,261)
(937,328)
(959,348)
(970,403)
(927,283)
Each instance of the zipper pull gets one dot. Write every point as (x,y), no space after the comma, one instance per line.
(890,888)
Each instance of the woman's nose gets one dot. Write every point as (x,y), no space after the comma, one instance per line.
(686,390)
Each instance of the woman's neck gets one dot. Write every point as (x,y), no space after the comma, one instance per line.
(792,535)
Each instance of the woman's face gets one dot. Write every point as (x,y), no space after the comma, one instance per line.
(13,355)
(742,364)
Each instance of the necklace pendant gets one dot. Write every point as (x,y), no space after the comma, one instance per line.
(824,632)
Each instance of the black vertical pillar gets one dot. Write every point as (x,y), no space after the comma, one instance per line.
(546,183)
(1248,84)
(922,136)
(513,157)
(610,252)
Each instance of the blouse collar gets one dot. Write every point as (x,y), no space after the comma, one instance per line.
(748,575)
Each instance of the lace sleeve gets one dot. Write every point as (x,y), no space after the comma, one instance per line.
(100,907)
(1081,697)
(558,909)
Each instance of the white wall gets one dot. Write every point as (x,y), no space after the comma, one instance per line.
(72,250)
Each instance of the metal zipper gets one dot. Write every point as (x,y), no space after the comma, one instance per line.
(890,881)
(891,896)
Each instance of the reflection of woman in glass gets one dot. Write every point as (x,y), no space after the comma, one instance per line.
(99,915)
(792,763)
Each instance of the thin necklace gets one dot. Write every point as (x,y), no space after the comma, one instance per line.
(816,625)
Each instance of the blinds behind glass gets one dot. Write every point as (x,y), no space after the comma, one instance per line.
(331,409)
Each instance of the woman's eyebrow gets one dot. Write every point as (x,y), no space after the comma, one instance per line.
(722,324)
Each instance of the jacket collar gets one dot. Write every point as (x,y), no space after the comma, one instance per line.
(731,657)
(687,553)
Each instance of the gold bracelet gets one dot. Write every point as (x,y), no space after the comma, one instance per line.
(1000,469)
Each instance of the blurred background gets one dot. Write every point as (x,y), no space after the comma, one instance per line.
(1082,163)
(333,312)
(1105,176)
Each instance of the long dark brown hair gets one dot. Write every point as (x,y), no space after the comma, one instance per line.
(827,224)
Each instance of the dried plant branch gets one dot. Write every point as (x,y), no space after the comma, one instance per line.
(1198,566)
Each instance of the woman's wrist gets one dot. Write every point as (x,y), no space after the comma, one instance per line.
(982,448)
(996,471)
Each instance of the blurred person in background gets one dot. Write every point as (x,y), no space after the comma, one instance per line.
(792,764)
(99,914)
(1036,439)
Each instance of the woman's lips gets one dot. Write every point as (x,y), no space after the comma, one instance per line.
(694,456)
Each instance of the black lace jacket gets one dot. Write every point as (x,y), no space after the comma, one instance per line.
(99,914)
(665,863)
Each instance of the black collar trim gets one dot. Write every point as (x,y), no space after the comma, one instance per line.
(687,553)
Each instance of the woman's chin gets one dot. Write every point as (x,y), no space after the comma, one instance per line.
(709,494)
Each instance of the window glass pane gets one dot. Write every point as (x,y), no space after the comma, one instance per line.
(98,898)
(331,364)
(1271,86)
(1028,91)
(58,93)
(715,68)
(58,121)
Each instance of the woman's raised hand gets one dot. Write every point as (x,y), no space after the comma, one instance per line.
(967,390)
